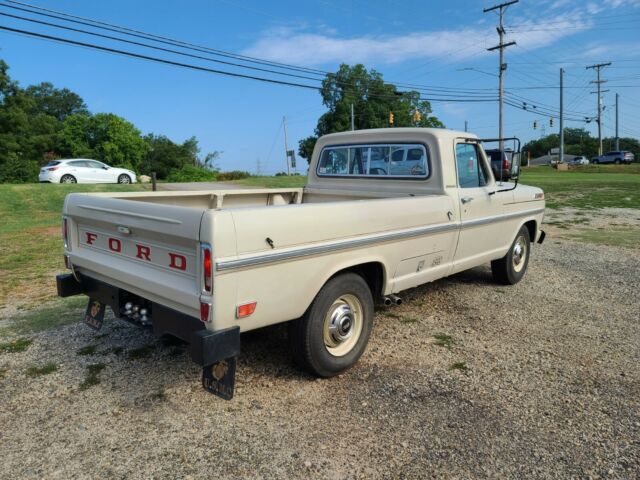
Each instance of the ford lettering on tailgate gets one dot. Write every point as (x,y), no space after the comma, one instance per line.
(138,250)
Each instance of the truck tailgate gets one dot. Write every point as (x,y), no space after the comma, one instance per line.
(148,249)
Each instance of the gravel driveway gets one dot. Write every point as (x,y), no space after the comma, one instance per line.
(540,380)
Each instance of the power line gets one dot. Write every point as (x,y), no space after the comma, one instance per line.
(599,82)
(503,66)
(210,70)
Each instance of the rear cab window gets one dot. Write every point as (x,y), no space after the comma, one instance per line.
(396,161)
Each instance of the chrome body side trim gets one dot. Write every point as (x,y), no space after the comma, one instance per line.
(360,242)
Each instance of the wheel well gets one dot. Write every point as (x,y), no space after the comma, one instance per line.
(373,274)
(531,226)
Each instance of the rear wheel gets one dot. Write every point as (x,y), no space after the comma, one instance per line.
(124,179)
(510,269)
(68,179)
(617,161)
(334,332)
(594,162)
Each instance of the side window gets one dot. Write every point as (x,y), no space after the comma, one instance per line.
(94,164)
(78,163)
(471,171)
(400,161)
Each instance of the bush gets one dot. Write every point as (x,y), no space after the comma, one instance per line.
(234,175)
(190,173)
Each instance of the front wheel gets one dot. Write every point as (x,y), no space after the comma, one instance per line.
(334,331)
(617,161)
(510,269)
(124,179)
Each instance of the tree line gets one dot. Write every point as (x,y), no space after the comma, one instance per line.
(40,123)
(578,141)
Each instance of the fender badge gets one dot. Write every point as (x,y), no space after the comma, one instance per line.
(124,230)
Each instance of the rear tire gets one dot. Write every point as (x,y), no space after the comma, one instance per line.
(68,179)
(124,179)
(334,331)
(617,161)
(595,162)
(510,269)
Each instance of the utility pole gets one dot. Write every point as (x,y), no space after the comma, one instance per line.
(503,66)
(258,167)
(352,119)
(561,116)
(466,126)
(599,82)
(617,136)
(286,144)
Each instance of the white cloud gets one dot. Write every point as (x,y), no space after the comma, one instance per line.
(305,48)
(324,45)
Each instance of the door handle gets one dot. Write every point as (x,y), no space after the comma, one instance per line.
(466,199)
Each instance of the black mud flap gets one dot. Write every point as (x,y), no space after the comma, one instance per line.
(542,235)
(94,315)
(220,378)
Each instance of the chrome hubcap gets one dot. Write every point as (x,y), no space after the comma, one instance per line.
(343,325)
(519,253)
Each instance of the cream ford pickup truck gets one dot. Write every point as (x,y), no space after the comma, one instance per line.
(383,211)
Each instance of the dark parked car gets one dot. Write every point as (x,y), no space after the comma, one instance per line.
(614,157)
(500,163)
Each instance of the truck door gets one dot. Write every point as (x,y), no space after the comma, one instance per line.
(480,235)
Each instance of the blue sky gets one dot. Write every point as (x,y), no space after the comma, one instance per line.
(439,44)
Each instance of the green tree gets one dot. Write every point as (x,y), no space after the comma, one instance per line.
(104,136)
(58,103)
(163,155)
(372,99)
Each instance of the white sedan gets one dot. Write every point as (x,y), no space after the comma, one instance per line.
(82,170)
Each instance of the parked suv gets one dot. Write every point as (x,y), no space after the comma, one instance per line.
(614,157)
(500,164)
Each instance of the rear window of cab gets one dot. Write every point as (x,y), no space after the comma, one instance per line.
(409,161)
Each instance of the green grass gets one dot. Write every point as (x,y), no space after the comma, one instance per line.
(627,237)
(587,189)
(30,243)
(460,366)
(15,346)
(294,181)
(55,314)
(92,377)
(44,370)
(140,353)
(444,340)
(87,350)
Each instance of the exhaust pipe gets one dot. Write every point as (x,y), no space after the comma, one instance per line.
(395,299)
(387,301)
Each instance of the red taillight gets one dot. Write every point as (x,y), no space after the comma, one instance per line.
(505,164)
(205,311)
(65,232)
(207,266)
(246,309)
(51,169)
